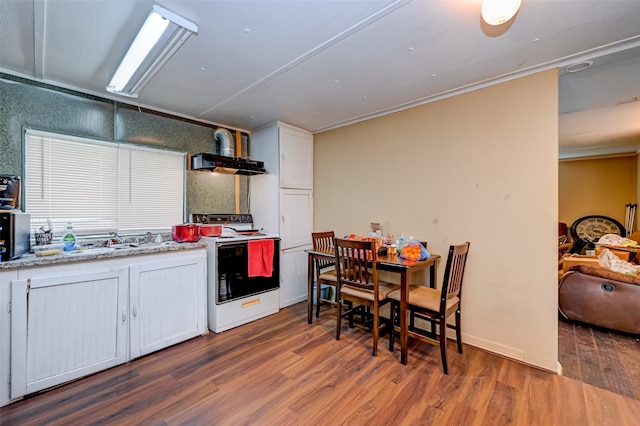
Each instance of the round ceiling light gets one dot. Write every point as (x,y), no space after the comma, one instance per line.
(578,66)
(497,12)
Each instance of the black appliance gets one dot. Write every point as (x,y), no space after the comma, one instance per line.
(229,165)
(14,234)
(9,192)
(233,280)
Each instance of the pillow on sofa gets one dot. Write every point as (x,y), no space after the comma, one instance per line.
(602,272)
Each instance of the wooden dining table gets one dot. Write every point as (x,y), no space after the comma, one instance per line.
(390,263)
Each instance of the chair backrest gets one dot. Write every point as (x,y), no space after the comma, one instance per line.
(323,240)
(353,264)
(454,272)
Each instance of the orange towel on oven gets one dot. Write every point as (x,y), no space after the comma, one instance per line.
(260,254)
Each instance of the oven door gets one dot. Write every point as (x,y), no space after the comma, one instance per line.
(232,277)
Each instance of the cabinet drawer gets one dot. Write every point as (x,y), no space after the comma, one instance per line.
(242,311)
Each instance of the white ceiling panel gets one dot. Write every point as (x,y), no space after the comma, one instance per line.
(323,64)
(242,48)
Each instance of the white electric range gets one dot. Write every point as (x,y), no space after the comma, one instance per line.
(233,297)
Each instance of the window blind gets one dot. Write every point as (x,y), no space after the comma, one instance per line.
(101,186)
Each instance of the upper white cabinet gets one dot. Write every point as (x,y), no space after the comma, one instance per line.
(288,156)
(296,158)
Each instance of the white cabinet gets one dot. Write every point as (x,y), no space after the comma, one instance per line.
(296,158)
(166,303)
(65,321)
(296,207)
(293,276)
(66,327)
(6,276)
(282,200)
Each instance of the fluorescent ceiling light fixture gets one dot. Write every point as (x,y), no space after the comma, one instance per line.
(159,38)
(497,12)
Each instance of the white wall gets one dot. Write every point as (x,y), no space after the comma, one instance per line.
(479,167)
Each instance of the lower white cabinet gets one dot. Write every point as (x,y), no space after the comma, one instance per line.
(293,276)
(166,303)
(66,327)
(63,322)
(6,277)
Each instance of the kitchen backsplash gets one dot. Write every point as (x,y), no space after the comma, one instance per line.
(26,105)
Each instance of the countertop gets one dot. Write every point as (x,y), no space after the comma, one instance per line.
(30,260)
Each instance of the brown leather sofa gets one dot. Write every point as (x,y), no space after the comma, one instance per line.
(599,296)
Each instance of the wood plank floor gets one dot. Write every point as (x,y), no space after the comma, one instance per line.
(599,357)
(281,371)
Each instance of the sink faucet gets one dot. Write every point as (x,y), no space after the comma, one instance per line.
(116,237)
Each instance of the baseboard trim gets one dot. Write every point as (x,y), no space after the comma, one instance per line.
(490,346)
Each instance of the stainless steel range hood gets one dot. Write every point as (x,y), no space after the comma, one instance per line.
(229,165)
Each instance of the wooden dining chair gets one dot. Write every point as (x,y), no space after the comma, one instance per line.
(358,285)
(325,269)
(435,306)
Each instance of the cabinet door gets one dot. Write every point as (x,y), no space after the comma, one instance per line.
(293,276)
(168,303)
(6,277)
(296,158)
(66,327)
(296,217)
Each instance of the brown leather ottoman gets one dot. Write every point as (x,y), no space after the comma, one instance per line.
(602,297)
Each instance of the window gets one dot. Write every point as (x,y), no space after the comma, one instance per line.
(101,186)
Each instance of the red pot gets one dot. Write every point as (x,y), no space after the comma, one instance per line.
(210,230)
(187,233)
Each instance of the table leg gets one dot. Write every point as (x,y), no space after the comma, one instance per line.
(310,289)
(432,274)
(404,312)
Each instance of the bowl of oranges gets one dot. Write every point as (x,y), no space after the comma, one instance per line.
(413,250)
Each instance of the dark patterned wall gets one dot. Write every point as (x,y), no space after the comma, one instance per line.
(27,105)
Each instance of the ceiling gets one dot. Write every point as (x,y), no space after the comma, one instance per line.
(324,64)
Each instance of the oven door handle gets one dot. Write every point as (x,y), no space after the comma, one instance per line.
(231,244)
(240,243)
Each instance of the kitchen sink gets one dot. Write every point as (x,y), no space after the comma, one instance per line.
(116,247)
(139,245)
(86,252)
(124,246)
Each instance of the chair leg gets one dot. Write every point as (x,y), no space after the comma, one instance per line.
(339,319)
(376,330)
(458,331)
(317,299)
(443,344)
(350,308)
(392,316)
